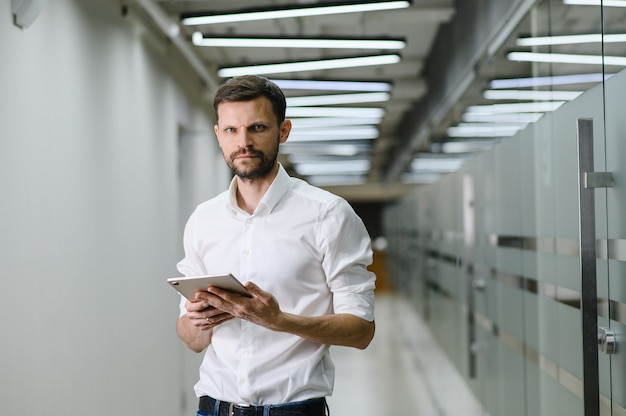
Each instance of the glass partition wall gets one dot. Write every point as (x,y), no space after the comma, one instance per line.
(518,259)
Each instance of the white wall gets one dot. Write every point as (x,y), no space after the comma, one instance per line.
(90,214)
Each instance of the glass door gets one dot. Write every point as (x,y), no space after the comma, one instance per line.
(612,261)
(610,222)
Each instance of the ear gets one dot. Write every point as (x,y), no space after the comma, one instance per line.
(285,129)
(216,129)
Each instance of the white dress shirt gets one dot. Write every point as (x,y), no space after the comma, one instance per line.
(310,250)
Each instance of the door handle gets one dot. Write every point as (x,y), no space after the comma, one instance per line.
(607,342)
(479,284)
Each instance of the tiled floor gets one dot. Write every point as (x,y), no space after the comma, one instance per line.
(402,373)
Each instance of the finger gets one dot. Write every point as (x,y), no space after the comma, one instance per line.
(200,322)
(217,319)
(216,313)
(201,295)
(224,316)
(216,298)
(253,289)
(196,306)
(224,300)
(222,293)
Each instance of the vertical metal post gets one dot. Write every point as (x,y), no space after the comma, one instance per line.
(588,288)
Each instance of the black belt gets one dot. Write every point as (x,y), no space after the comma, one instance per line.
(313,407)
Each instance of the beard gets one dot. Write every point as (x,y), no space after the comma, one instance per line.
(259,167)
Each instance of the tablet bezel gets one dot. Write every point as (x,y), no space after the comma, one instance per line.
(187,286)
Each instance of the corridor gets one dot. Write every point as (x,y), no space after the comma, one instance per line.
(403,372)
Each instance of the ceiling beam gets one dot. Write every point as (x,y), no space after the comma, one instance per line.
(171,29)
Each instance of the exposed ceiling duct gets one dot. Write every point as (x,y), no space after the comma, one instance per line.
(443,61)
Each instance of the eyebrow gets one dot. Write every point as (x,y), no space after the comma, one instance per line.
(252,124)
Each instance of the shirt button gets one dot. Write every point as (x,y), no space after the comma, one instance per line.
(242,379)
(246,351)
(246,252)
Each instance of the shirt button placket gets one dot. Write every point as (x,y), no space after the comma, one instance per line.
(245,353)
(246,247)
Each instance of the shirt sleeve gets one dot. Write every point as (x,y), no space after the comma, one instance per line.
(346,246)
(191,264)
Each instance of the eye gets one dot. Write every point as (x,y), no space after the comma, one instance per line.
(258,127)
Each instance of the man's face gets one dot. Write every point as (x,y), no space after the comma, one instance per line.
(249,135)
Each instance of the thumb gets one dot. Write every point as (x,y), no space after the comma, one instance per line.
(252,288)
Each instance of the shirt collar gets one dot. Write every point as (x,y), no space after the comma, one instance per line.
(272,197)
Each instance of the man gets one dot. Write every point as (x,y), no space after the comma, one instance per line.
(304,255)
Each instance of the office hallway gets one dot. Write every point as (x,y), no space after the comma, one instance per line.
(403,372)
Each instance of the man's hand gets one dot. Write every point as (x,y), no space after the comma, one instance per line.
(195,328)
(202,315)
(263,309)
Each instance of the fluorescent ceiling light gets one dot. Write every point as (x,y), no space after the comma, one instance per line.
(333,149)
(303,84)
(299,10)
(484,130)
(571,39)
(487,125)
(333,134)
(548,81)
(607,3)
(463,146)
(362,112)
(314,122)
(338,131)
(530,95)
(501,118)
(297,159)
(319,43)
(539,107)
(331,180)
(316,65)
(332,168)
(436,164)
(297,137)
(368,97)
(566,58)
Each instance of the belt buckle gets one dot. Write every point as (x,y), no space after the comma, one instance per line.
(233,406)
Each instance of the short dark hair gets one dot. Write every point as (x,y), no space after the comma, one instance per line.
(250,87)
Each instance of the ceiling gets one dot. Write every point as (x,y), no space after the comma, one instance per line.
(453,50)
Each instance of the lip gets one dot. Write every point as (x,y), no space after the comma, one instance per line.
(247,155)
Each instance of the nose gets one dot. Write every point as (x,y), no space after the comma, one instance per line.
(244,139)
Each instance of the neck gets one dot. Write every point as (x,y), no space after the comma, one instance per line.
(251,191)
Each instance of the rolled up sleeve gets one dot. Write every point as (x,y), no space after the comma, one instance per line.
(347,253)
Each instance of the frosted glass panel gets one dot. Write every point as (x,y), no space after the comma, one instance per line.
(523,302)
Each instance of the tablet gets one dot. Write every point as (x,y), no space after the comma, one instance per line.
(187,286)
